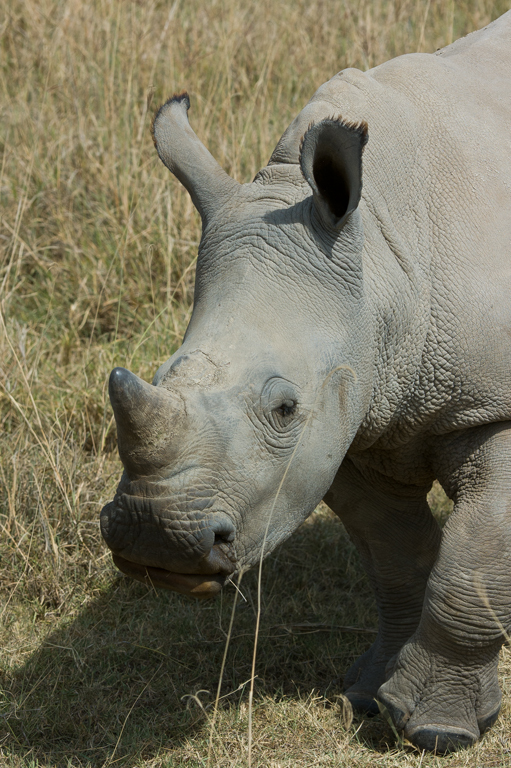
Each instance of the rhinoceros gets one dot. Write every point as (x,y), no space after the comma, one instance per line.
(350,341)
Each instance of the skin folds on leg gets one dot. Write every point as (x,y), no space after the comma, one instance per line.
(398,541)
(443,688)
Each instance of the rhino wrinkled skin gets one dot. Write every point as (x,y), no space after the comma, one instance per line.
(350,341)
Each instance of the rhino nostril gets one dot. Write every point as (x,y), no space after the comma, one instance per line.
(223,529)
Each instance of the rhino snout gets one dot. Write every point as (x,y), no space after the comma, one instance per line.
(190,553)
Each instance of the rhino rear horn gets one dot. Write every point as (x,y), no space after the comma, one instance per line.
(331,163)
(188,159)
(147,418)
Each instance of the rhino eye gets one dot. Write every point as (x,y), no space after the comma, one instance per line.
(281,417)
(279,404)
(287,408)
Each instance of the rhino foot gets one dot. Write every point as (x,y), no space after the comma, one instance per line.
(440,701)
(364,678)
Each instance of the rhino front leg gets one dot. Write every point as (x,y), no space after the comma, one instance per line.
(443,690)
(398,541)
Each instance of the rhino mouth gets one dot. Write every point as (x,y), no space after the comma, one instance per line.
(198,585)
(192,554)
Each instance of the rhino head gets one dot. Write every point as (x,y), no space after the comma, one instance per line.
(243,429)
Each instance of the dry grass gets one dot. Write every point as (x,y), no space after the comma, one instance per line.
(97,260)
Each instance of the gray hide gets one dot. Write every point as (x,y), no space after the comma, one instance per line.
(352,344)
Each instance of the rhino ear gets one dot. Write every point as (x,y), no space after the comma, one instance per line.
(331,163)
(188,159)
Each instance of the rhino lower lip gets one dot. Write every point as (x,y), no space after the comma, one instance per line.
(193,584)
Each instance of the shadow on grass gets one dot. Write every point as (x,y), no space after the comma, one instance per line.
(129,673)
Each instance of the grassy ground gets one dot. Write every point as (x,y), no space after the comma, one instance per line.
(97,259)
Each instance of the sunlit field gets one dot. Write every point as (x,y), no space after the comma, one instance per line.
(97,258)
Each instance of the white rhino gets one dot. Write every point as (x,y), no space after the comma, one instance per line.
(350,341)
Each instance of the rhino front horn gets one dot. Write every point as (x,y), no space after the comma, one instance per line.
(188,159)
(146,417)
